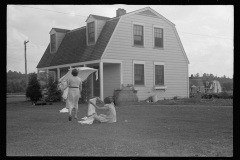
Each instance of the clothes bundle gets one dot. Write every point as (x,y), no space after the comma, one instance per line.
(91,111)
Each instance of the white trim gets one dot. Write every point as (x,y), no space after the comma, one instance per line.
(121,74)
(153,36)
(160,87)
(164,75)
(101,79)
(142,24)
(110,40)
(55,42)
(95,39)
(148,8)
(111,60)
(138,62)
(178,38)
(134,12)
(71,64)
(169,22)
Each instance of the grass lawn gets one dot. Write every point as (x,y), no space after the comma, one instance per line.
(150,130)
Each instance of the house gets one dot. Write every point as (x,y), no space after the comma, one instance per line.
(141,48)
(212,86)
(196,85)
(216,86)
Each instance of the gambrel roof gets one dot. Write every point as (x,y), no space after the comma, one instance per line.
(74,49)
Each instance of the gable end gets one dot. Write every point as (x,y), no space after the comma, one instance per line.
(148,13)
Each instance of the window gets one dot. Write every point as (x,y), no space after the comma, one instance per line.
(158,37)
(159,75)
(159,79)
(53,42)
(138,73)
(91,33)
(138,34)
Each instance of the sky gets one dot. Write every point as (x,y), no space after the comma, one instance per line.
(206,32)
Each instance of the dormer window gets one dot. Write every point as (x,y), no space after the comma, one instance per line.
(53,42)
(91,33)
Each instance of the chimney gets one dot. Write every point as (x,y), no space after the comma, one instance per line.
(120,12)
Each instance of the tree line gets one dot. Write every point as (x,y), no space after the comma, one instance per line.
(225,82)
(16,81)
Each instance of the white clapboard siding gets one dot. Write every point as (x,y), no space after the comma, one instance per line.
(111,78)
(176,66)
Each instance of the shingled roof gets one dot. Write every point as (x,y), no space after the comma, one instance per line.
(61,30)
(100,17)
(74,49)
(195,82)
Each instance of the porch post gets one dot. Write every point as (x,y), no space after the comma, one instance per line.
(101,80)
(38,74)
(58,73)
(47,74)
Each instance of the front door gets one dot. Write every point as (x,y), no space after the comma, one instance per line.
(96,83)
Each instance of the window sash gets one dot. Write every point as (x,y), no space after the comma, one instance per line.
(91,32)
(158,37)
(53,42)
(139,74)
(159,75)
(138,34)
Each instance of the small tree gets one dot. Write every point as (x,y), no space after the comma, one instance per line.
(86,90)
(33,89)
(54,95)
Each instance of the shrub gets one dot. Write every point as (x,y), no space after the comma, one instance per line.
(86,90)
(33,89)
(53,94)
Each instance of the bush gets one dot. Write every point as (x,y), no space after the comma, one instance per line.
(86,90)
(53,94)
(33,89)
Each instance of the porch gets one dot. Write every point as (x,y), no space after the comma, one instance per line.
(109,75)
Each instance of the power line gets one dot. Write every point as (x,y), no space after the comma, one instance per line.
(54,11)
(204,35)
(21,59)
(87,16)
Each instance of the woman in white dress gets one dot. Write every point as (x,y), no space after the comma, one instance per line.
(74,93)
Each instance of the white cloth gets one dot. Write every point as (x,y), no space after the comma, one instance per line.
(83,73)
(87,121)
(65,94)
(63,110)
(91,108)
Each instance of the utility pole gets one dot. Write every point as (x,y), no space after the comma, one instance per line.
(25,42)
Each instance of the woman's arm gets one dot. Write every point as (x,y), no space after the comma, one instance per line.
(97,106)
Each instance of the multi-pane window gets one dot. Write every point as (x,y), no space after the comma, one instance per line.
(53,42)
(91,32)
(139,74)
(159,75)
(158,37)
(138,34)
